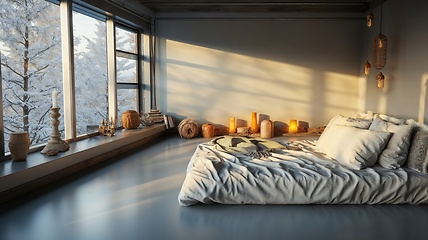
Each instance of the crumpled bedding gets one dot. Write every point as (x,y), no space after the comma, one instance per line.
(296,174)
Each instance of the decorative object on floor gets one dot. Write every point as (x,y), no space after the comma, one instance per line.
(292,128)
(380,80)
(379,51)
(302,127)
(188,128)
(107,128)
(131,119)
(316,130)
(243,130)
(19,145)
(157,116)
(369,19)
(169,121)
(266,129)
(208,130)
(232,125)
(55,144)
(146,119)
(254,126)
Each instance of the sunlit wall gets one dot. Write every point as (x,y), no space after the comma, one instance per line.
(211,70)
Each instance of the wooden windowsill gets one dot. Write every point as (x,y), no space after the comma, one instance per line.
(14,175)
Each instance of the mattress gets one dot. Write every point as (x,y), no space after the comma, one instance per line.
(298,176)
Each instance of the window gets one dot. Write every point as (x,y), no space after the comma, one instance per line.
(31,54)
(90,71)
(127,67)
(30,45)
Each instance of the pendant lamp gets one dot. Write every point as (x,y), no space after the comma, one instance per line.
(379,52)
(367,67)
(369,19)
(380,80)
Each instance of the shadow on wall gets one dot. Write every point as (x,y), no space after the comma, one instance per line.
(203,83)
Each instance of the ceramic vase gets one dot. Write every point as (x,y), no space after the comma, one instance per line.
(266,129)
(208,130)
(130,119)
(19,145)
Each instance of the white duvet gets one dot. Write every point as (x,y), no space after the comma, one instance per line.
(294,177)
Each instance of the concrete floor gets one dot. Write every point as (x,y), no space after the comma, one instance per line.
(135,197)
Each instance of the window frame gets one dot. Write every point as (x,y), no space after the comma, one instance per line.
(138,24)
(138,56)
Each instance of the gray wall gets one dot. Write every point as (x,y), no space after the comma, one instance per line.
(406,70)
(308,70)
(211,70)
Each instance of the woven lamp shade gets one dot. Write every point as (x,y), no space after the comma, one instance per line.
(379,51)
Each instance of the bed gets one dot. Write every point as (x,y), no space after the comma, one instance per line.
(355,161)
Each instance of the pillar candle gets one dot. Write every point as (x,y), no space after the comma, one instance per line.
(254,126)
(54,98)
(293,126)
(232,125)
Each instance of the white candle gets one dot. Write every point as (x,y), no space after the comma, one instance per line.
(54,98)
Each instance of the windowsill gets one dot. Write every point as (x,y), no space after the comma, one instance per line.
(16,173)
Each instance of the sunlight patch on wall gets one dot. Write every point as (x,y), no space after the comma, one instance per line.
(341,92)
(213,85)
(362,95)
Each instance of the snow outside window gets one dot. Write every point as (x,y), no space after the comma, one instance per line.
(30,45)
(90,63)
(127,69)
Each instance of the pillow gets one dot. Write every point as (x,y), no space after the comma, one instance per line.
(352,122)
(418,151)
(347,121)
(395,153)
(371,115)
(353,147)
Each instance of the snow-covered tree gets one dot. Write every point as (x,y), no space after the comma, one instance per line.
(91,76)
(126,70)
(31,56)
(31,65)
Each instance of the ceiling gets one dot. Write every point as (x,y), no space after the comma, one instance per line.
(251,6)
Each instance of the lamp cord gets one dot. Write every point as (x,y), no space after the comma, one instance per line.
(380,16)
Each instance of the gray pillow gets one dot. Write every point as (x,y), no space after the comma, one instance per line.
(396,151)
(418,151)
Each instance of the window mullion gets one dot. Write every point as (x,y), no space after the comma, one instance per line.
(111,66)
(2,147)
(68,69)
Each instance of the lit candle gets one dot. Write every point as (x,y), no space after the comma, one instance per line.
(54,98)
(232,125)
(293,126)
(254,126)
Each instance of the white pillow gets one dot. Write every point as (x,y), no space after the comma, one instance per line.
(371,115)
(353,147)
(395,153)
(347,121)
